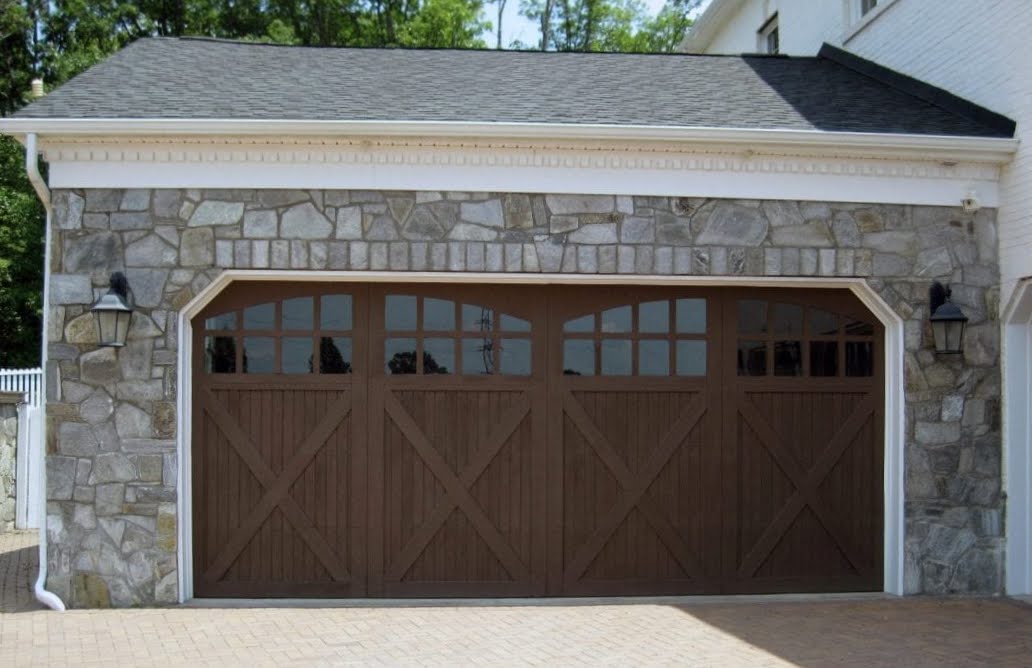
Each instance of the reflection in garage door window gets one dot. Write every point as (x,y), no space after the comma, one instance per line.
(434,336)
(297,354)
(219,354)
(637,340)
(259,354)
(281,337)
(298,313)
(784,339)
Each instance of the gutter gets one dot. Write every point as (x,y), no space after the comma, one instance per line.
(943,147)
(47,598)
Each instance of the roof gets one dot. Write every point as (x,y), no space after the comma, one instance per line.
(191,78)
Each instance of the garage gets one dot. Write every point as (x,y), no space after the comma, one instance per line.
(469,440)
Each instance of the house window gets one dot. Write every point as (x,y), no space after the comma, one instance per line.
(867,5)
(768,36)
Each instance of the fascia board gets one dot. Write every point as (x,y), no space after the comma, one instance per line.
(940,147)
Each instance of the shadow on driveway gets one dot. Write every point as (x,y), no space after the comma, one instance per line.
(19,563)
(913,631)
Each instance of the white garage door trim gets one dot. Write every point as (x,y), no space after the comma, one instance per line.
(1017,438)
(894,400)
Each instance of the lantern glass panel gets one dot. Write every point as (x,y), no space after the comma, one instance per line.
(955,335)
(106,322)
(122,319)
(939,333)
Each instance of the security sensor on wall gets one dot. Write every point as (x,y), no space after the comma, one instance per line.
(970,202)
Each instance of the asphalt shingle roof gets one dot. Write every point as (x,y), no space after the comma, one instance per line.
(188,78)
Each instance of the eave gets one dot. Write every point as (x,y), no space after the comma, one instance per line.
(945,148)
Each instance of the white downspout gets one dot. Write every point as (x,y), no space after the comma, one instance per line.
(47,598)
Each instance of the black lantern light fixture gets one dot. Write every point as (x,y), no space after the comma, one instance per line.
(113,311)
(948,320)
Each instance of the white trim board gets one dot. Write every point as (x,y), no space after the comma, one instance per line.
(714,182)
(894,397)
(1017,438)
(752,165)
(936,146)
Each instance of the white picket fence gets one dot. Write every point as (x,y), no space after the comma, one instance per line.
(29,482)
(23,381)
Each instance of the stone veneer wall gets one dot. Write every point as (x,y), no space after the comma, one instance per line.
(8,454)
(111,432)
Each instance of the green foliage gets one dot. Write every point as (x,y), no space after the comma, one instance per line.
(21,261)
(609,25)
(453,24)
(15,54)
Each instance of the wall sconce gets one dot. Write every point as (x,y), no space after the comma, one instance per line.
(113,312)
(947,319)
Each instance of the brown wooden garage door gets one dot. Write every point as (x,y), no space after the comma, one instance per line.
(458,440)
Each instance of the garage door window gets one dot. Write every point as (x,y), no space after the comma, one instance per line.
(432,336)
(654,338)
(793,340)
(299,335)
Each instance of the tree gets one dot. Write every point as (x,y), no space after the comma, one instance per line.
(501,10)
(21,261)
(609,25)
(453,24)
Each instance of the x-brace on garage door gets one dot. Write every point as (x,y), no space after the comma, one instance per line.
(461,440)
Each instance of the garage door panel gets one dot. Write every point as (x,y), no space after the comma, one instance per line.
(277,553)
(779,483)
(635,551)
(804,422)
(456,437)
(805,549)
(851,493)
(648,430)
(506,489)
(634,423)
(457,553)
(411,494)
(763,490)
(270,489)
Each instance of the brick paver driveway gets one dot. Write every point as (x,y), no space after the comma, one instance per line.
(860,632)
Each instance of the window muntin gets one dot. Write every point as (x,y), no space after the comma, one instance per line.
(282,337)
(655,338)
(786,339)
(434,336)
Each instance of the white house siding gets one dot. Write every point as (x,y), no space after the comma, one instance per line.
(803,26)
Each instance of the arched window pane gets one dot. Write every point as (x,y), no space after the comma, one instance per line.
(260,316)
(335,313)
(298,313)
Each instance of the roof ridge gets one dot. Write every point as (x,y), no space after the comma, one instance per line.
(417,49)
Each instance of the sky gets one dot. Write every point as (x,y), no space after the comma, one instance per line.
(516,27)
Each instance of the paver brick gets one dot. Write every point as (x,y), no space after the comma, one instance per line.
(753,631)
